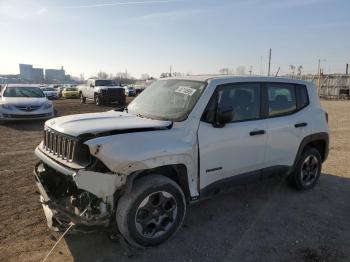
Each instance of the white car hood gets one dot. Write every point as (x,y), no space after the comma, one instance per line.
(25,101)
(95,123)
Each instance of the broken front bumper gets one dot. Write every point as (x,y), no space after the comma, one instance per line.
(68,205)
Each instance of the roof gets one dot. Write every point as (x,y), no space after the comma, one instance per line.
(237,78)
(22,85)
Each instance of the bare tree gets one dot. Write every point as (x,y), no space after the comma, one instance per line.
(144,76)
(177,74)
(241,70)
(122,75)
(224,71)
(300,69)
(292,69)
(102,75)
(162,75)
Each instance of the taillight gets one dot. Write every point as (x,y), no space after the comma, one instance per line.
(326,114)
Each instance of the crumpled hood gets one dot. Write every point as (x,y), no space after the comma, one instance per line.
(95,123)
(24,101)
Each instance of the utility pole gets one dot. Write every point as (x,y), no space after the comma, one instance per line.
(347,69)
(319,74)
(268,73)
(170,70)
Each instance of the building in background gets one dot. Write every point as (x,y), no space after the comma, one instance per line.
(31,75)
(38,74)
(27,72)
(55,75)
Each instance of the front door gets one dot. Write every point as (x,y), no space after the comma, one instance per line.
(239,146)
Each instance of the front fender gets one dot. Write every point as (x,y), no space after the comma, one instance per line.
(132,152)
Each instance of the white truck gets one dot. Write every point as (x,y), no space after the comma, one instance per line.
(102,92)
(179,141)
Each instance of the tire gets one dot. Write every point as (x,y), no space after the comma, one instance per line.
(82,98)
(155,201)
(307,170)
(97,101)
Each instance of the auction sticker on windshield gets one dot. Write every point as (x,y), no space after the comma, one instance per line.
(185,90)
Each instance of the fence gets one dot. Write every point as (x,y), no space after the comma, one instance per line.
(334,86)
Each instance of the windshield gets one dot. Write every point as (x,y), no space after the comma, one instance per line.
(17,91)
(104,83)
(170,99)
(48,89)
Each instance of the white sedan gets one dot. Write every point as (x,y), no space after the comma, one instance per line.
(50,92)
(22,102)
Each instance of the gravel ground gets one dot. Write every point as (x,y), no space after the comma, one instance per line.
(265,221)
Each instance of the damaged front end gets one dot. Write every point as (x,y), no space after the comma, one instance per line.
(64,202)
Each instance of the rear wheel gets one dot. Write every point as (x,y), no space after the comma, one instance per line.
(152,212)
(307,171)
(82,98)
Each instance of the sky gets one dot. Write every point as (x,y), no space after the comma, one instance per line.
(193,36)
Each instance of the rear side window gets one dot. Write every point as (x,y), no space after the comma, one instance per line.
(302,96)
(281,99)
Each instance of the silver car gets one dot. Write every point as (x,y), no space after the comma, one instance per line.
(22,102)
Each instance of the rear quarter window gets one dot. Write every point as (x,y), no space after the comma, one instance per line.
(302,96)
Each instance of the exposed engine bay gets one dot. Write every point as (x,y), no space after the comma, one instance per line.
(64,203)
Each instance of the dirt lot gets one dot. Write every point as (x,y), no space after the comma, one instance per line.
(265,221)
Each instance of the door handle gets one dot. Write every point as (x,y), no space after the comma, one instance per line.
(300,125)
(257,132)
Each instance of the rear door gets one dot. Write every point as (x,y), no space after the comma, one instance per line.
(287,123)
(89,89)
(239,146)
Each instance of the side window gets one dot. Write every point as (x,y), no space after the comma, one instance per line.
(302,96)
(242,100)
(281,99)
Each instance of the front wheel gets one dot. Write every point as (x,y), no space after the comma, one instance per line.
(307,170)
(98,101)
(152,212)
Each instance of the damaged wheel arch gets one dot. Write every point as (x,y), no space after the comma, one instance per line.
(177,173)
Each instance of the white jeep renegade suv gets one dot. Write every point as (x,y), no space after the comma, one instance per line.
(179,141)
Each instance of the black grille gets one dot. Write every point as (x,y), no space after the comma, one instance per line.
(113,95)
(59,145)
(28,108)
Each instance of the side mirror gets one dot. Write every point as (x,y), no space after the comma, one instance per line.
(91,85)
(224,116)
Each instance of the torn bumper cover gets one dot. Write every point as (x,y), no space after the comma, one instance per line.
(64,203)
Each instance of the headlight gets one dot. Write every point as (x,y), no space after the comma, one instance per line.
(6,106)
(47,105)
